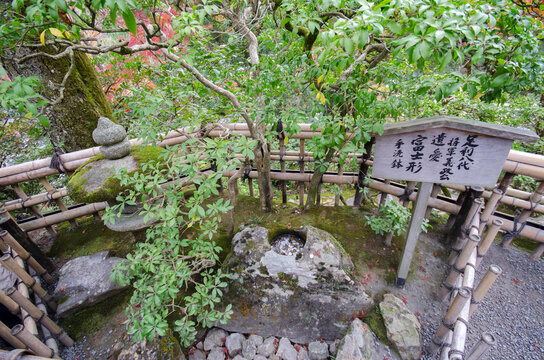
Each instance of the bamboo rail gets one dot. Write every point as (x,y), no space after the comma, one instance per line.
(9,355)
(32,342)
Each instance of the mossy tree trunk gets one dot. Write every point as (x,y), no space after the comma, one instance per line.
(75,117)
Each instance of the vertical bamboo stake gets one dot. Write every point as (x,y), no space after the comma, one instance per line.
(6,241)
(20,193)
(40,316)
(470,226)
(538,252)
(505,182)
(463,295)
(459,201)
(525,214)
(48,338)
(486,342)
(483,287)
(12,340)
(410,185)
(301,165)
(467,209)
(340,173)
(490,207)
(383,196)
(7,222)
(282,169)
(10,264)
(434,194)
(50,189)
(488,239)
(31,341)
(460,266)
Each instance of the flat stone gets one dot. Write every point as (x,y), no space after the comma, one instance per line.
(302,354)
(403,328)
(150,350)
(108,133)
(318,350)
(286,351)
(116,151)
(85,281)
(259,357)
(239,357)
(255,340)
(268,347)
(233,343)
(197,355)
(216,354)
(215,338)
(298,297)
(249,350)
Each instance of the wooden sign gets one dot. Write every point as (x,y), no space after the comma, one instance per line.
(441,156)
(441,150)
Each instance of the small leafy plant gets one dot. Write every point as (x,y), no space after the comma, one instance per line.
(393,218)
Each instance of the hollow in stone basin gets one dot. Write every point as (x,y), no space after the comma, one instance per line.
(287,244)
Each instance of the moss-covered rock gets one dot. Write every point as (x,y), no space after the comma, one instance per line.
(95,180)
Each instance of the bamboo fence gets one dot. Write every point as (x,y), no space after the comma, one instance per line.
(517,163)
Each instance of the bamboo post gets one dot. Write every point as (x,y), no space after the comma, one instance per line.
(466,210)
(525,214)
(538,252)
(459,267)
(40,316)
(444,354)
(410,187)
(506,181)
(47,334)
(470,226)
(50,190)
(488,239)
(361,176)
(459,201)
(434,194)
(10,225)
(486,341)
(383,195)
(340,173)
(11,305)
(6,241)
(301,184)
(483,286)
(12,340)
(463,295)
(282,167)
(20,193)
(490,207)
(460,329)
(10,264)
(31,341)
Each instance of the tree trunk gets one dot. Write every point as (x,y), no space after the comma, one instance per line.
(262,162)
(75,117)
(316,180)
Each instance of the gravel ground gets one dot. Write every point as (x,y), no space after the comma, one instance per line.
(513,310)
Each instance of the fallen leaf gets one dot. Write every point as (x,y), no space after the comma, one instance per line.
(422,269)
(363,282)
(316,253)
(62,288)
(423,277)
(435,254)
(370,266)
(417,313)
(84,231)
(516,281)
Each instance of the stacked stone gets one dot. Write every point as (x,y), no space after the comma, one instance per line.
(360,343)
(113,138)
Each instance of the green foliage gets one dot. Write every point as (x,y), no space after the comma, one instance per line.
(173,272)
(393,218)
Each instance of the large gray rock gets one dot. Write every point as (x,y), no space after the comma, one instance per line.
(301,297)
(7,278)
(215,338)
(360,343)
(108,133)
(318,350)
(85,281)
(216,354)
(403,328)
(165,348)
(268,347)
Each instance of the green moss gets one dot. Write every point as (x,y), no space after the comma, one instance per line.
(374,320)
(87,321)
(89,238)
(111,186)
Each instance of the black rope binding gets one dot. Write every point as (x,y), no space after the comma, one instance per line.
(279,129)
(406,195)
(510,235)
(56,161)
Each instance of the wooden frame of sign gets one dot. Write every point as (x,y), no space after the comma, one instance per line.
(443,150)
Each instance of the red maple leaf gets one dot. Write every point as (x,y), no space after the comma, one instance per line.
(423,277)
(367,276)
(316,253)
(370,266)
(62,288)
(297,347)
(363,282)
(516,281)
(418,313)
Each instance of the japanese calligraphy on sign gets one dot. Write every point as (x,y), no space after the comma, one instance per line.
(441,155)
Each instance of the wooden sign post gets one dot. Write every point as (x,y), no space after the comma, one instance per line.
(443,150)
